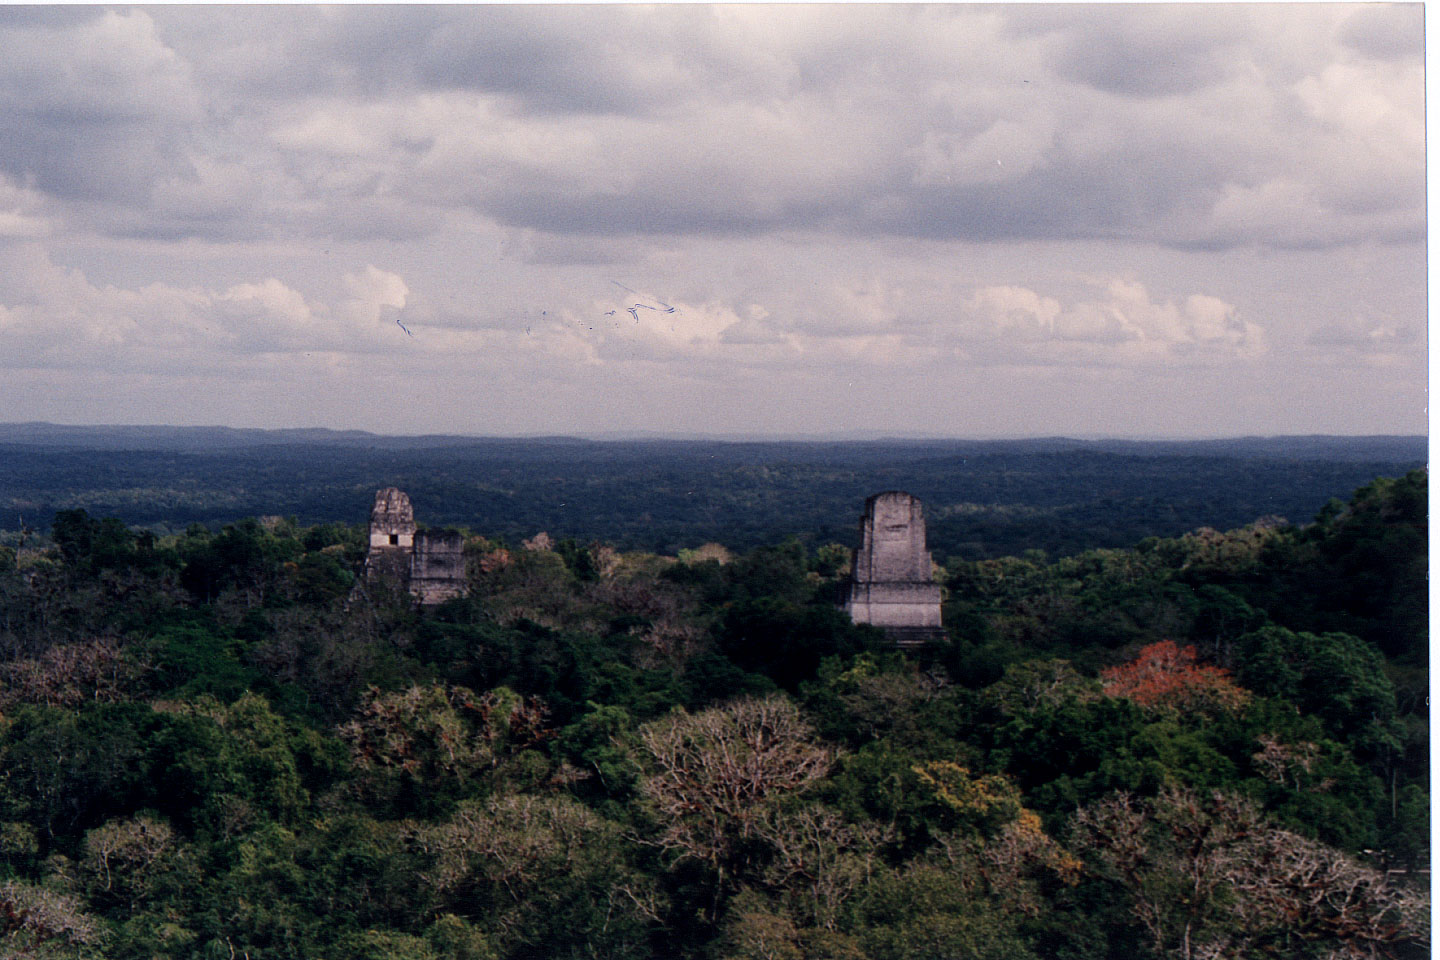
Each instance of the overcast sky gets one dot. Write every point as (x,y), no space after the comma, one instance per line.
(960,220)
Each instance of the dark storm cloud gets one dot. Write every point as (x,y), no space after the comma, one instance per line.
(99,161)
(1128,123)
(1386,31)
(1186,125)
(1142,50)
(44,15)
(1061,200)
(324,206)
(91,107)
(564,58)
(567,58)
(650,211)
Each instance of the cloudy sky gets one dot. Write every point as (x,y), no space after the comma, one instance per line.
(958,220)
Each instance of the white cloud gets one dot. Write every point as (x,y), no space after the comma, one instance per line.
(1013,312)
(1371,341)
(906,191)
(93,109)
(375,289)
(1151,125)
(57,317)
(114,67)
(21,211)
(1124,325)
(880,325)
(1379,104)
(1005,150)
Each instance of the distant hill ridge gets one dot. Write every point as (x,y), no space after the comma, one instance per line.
(37,434)
(982,497)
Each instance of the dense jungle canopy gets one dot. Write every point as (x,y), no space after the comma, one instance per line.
(222,742)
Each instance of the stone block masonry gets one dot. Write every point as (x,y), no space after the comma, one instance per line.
(437,566)
(430,564)
(890,585)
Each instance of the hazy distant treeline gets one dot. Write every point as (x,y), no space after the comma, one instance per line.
(983,499)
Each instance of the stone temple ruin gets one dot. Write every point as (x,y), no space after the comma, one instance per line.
(430,564)
(890,584)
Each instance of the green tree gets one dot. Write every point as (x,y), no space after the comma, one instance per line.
(418,750)
(64,771)
(1337,677)
(548,876)
(788,642)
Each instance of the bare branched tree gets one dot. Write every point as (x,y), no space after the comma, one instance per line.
(72,674)
(1209,876)
(711,774)
(821,858)
(35,922)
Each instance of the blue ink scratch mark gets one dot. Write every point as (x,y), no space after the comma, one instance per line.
(668,307)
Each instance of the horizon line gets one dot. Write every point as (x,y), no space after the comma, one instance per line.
(796,436)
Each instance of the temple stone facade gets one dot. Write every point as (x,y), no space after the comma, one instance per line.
(890,584)
(437,567)
(392,537)
(430,564)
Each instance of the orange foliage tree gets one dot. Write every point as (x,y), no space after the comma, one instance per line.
(1165,678)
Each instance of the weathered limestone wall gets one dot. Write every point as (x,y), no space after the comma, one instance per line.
(890,585)
(429,564)
(392,535)
(892,541)
(392,520)
(895,604)
(437,566)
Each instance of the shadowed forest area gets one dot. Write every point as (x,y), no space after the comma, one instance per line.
(1204,741)
(982,498)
